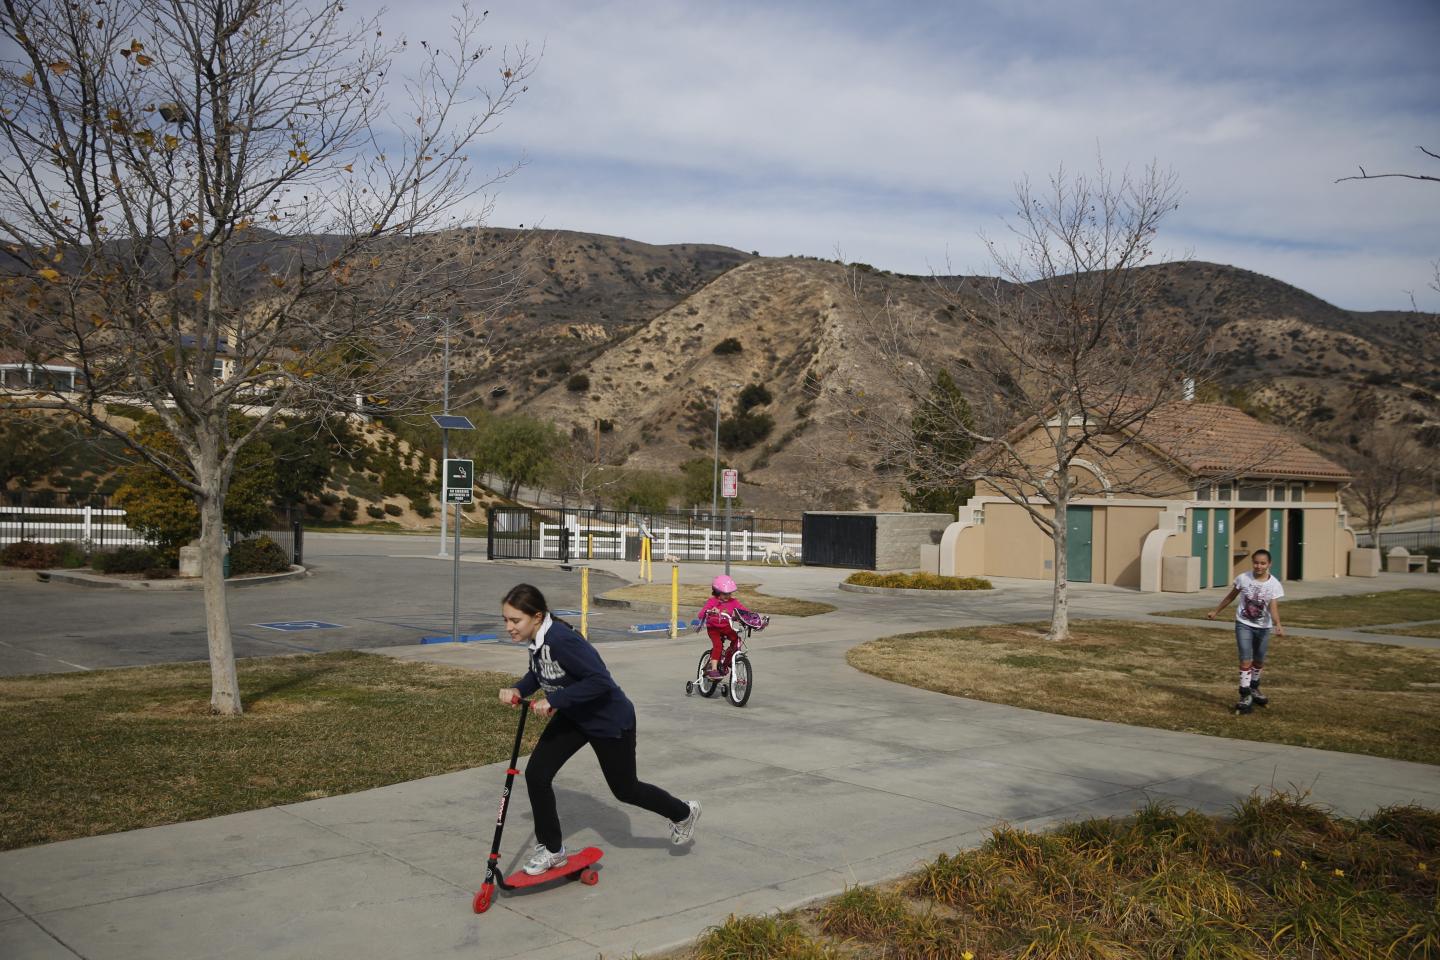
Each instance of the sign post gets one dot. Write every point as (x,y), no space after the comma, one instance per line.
(729,489)
(447,421)
(459,489)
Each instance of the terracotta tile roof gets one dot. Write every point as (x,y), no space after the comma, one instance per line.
(1211,438)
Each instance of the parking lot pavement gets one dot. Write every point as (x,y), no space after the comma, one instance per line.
(378,590)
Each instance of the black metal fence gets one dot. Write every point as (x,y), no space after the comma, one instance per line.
(290,536)
(554,533)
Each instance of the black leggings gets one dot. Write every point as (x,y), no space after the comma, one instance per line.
(560,741)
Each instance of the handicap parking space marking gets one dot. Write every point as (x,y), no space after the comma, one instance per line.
(293,626)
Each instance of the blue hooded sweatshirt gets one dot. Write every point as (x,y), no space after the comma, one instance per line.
(576,681)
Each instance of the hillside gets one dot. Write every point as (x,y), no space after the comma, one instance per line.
(1281,352)
(614,341)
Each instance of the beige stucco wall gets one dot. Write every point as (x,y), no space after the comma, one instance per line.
(1125,531)
(1015,547)
(1319,549)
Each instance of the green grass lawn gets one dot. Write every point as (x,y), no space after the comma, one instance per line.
(1278,880)
(1331,694)
(90,753)
(1343,612)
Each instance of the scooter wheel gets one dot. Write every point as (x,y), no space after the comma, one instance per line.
(589,877)
(482,900)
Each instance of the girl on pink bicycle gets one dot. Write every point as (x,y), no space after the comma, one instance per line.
(718,617)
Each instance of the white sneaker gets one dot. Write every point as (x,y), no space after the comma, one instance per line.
(542,860)
(682,832)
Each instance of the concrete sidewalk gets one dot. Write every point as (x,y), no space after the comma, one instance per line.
(829,777)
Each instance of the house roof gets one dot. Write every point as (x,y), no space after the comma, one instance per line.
(1211,438)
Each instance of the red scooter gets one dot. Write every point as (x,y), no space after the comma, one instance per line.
(582,863)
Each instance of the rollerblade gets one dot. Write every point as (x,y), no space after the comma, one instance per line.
(1258,698)
(1246,703)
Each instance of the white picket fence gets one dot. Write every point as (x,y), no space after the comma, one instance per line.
(703,543)
(98,526)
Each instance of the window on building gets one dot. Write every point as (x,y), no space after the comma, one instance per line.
(1203,492)
(1254,491)
(1225,491)
(1280,492)
(1181,522)
(1297,492)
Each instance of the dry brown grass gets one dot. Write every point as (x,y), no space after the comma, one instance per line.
(1420,630)
(1345,611)
(693,595)
(90,753)
(1278,880)
(1330,694)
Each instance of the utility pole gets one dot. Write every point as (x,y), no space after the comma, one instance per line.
(445,454)
(715,483)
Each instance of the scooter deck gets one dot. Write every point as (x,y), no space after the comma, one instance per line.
(577,862)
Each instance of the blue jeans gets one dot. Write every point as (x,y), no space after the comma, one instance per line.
(1252,642)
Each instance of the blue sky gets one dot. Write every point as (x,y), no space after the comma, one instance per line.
(895,132)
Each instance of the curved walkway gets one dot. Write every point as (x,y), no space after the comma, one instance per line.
(829,777)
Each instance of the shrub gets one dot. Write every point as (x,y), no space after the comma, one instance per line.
(364,487)
(29,555)
(393,509)
(314,511)
(72,555)
(579,383)
(917,581)
(260,555)
(744,430)
(329,499)
(422,508)
(127,560)
(754,395)
(727,347)
(349,509)
(374,512)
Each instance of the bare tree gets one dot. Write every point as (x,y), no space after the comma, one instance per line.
(211,206)
(1363,175)
(1069,364)
(1384,463)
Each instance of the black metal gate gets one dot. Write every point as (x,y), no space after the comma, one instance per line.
(838,540)
(512,533)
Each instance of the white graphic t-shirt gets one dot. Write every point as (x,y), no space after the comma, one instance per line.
(1253,608)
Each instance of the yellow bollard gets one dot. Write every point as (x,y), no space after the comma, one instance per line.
(649,563)
(585,602)
(674,602)
(589,546)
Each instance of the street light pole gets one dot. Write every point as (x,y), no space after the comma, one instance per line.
(715,483)
(445,452)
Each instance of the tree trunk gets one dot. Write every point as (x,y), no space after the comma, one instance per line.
(224,684)
(1060,599)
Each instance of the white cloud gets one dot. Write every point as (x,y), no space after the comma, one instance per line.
(897,131)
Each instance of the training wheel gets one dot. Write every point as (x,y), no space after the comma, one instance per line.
(482,900)
(689,687)
(589,877)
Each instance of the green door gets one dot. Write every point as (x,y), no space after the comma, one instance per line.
(1277,543)
(1221,550)
(1080,539)
(1200,543)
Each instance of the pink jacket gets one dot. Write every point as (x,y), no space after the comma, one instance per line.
(718,613)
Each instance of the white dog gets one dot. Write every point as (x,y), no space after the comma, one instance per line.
(670,558)
(777,551)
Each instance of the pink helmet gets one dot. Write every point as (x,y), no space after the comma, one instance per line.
(724,584)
